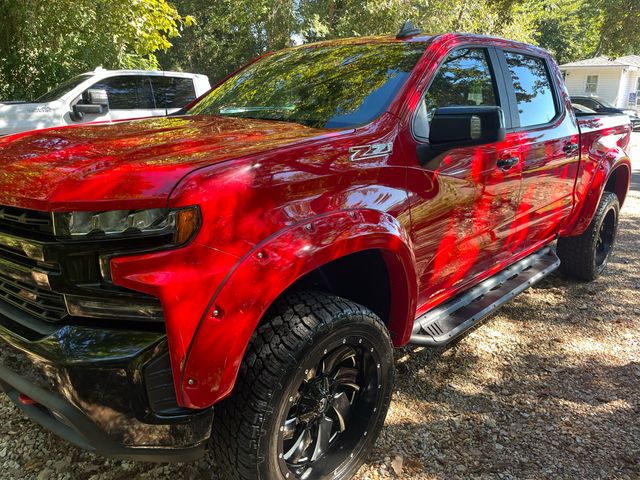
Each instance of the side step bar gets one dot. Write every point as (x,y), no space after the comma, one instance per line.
(446,322)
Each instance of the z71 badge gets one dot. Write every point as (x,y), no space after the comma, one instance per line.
(371,151)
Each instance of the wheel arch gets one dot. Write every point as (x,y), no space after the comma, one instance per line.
(334,246)
(618,182)
(612,175)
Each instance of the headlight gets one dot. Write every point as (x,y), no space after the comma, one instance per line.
(182,223)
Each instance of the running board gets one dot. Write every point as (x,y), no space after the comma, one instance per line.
(446,322)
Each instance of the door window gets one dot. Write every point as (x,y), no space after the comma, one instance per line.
(131,92)
(464,79)
(532,84)
(172,92)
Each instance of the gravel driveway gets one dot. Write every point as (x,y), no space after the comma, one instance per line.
(547,388)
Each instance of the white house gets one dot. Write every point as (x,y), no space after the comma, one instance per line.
(615,80)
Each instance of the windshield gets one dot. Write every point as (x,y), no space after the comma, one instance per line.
(333,86)
(61,89)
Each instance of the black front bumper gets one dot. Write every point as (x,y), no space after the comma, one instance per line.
(105,390)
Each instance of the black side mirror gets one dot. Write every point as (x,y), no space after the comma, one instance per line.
(456,127)
(94,102)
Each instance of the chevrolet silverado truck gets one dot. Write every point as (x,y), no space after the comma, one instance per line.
(235,277)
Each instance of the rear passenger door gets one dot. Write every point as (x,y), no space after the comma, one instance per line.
(547,135)
(172,93)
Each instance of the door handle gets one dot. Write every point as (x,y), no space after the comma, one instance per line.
(570,148)
(507,163)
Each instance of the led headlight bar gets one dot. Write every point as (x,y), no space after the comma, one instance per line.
(182,222)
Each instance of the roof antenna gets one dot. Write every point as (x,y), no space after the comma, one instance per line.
(408,30)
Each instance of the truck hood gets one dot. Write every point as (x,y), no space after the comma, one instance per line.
(133,164)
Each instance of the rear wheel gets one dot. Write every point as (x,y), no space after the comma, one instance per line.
(585,257)
(312,393)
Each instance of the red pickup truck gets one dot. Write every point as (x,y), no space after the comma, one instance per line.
(241,271)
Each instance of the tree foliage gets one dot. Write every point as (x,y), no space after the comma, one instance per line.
(45,42)
(42,43)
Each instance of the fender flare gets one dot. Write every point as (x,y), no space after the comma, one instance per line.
(581,217)
(264,273)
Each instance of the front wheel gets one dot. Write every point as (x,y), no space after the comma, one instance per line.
(584,257)
(312,393)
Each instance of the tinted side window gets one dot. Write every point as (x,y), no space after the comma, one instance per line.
(464,79)
(128,92)
(532,84)
(172,92)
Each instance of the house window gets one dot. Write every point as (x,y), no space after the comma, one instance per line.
(592,84)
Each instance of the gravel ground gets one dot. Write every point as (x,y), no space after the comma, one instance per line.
(547,388)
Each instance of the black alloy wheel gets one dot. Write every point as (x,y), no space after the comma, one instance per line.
(585,256)
(331,410)
(311,396)
(606,236)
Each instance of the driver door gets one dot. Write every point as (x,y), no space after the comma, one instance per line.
(464,200)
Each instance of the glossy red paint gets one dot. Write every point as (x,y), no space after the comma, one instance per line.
(279,200)
(129,164)
(603,144)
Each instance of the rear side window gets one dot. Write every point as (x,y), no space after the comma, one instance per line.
(464,79)
(172,92)
(128,92)
(532,85)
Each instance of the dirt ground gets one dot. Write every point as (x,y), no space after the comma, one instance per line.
(546,389)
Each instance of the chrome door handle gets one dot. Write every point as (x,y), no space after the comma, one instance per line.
(570,148)
(507,163)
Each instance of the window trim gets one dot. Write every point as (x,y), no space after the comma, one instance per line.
(500,89)
(513,99)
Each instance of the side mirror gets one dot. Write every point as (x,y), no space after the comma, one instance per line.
(457,127)
(94,102)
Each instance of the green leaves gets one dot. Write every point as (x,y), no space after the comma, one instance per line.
(45,43)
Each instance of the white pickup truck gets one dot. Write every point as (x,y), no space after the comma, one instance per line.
(104,95)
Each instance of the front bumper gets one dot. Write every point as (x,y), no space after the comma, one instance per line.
(108,391)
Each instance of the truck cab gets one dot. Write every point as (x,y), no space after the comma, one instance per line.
(104,95)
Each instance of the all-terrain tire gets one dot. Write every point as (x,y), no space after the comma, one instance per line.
(301,335)
(585,256)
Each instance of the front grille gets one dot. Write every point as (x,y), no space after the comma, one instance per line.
(36,301)
(12,218)
(18,287)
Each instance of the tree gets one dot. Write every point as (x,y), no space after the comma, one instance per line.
(620,30)
(44,43)
(229,33)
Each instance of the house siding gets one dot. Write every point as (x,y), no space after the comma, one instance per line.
(609,83)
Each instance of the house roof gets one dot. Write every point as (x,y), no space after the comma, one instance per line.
(630,60)
(604,61)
